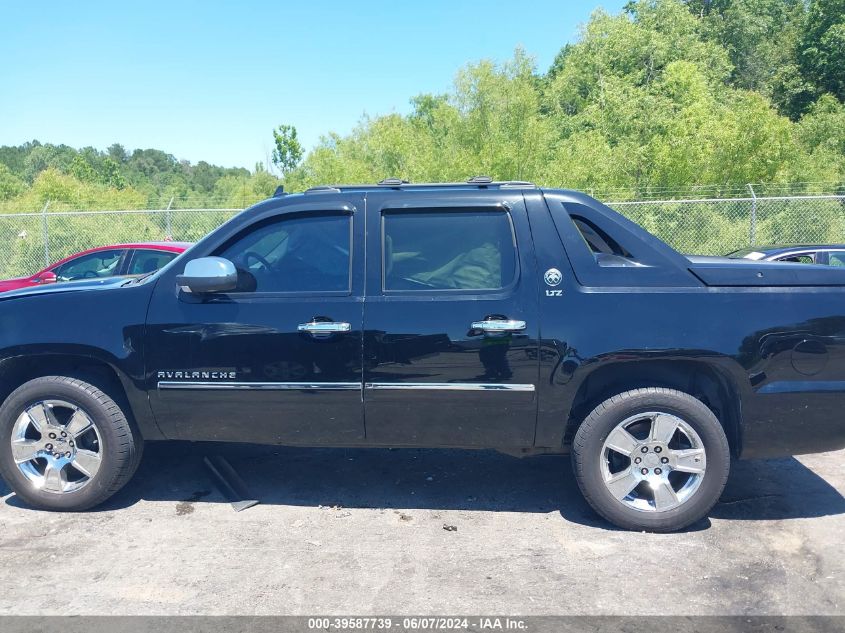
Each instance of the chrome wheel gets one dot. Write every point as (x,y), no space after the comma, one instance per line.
(653,462)
(56,446)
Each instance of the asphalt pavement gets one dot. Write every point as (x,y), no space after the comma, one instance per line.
(421,531)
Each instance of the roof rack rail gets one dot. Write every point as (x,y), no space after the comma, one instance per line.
(516,184)
(482,182)
(323,189)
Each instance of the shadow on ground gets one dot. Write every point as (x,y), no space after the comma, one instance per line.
(444,479)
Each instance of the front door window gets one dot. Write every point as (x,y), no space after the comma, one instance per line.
(296,254)
(90,266)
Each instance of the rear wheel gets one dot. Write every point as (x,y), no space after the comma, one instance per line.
(65,444)
(651,459)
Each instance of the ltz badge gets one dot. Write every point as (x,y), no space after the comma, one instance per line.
(553,277)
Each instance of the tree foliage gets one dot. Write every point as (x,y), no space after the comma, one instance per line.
(661,96)
(287,152)
(90,179)
(821,52)
(792,51)
(665,95)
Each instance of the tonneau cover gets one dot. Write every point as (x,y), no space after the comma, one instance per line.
(722,271)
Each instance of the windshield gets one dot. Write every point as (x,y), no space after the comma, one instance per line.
(746,253)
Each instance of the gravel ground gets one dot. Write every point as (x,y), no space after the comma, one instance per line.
(421,531)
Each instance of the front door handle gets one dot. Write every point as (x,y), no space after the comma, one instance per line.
(324,327)
(499,325)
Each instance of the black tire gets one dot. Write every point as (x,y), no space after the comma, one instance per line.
(120,445)
(587,456)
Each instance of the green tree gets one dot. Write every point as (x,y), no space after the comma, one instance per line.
(110,174)
(761,39)
(287,152)
(45,157)
(117,153)
(822,46)
(81,170)
(10,185)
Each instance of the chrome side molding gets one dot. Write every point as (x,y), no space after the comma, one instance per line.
(260,386)
(447,386)
(343,386)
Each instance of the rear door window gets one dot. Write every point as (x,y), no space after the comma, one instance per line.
(802,258)
(435,250)
(836,258)
(149,261)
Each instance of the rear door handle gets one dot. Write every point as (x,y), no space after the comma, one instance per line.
(498,325)
(324,327)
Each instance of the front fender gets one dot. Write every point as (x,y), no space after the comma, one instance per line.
(103,326)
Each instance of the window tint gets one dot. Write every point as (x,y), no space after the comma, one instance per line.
(145,261)
(598,240)
(836,258)
(294,254)
(800,259)
(91,266)
(448,250)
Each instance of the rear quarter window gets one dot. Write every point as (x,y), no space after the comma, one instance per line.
(607,249)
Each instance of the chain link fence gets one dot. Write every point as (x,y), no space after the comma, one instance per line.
(32,241)
(719,226)
(716,226)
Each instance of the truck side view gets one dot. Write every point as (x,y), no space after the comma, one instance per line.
(472,315)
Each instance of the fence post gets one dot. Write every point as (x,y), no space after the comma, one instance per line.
(46,234)
(753,231)
(168,223)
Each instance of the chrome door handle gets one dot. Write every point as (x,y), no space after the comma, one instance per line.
(509,325)
(324,327)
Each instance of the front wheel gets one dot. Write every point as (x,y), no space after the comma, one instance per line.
(65,444)
(651,459)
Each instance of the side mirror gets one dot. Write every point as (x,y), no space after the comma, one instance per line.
(47,277)
(208,274)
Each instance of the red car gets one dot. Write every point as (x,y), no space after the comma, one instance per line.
(103,261)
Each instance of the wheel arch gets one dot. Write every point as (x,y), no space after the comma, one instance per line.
(18,369)
(711,383)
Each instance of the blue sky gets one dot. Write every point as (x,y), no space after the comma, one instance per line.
(209,80)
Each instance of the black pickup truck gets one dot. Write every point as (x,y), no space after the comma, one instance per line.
(474,315)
